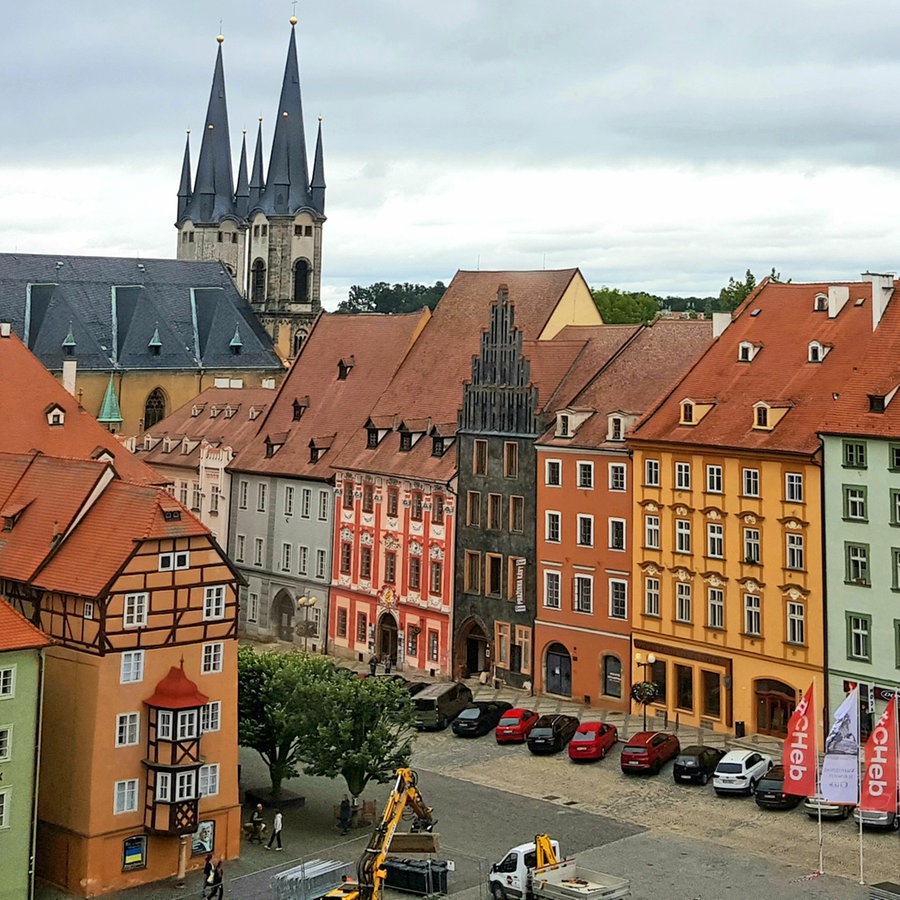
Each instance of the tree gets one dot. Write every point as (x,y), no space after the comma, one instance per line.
(625,307)
(360,729)
(736,292)
(382,297)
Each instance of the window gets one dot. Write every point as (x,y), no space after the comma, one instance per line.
(687,412)
(682,476)
(185,786)
(214,493)
(415,572)
(393,502)
(163,791)
(5,743)
(209,780)
(195,496)
(131,669)
(585,534)
(854,455)
(170,561)
(616,428)
(472,572)
(510,459)
(553,473)
(752,546)
(135,614)
(715,608)
(651,596)
(240,548)
(347,494)
(261,497)
(188,725)
(715,540)
(433,645)
(494,576)
(517,514)
(551,589)
(368,497)
(346,557)
(212,658)
(288,500)
(585,475)
(164,725)
(793,487)
(895,559)
(796,623)
(682,536)
(473,509)
(242,495)
(651,472)
(684,683)
(616,477)
(651,532)
(390,567)
(751,482)
(553,521)
(616,534)
(302,559)
(323,506)
(859,628)
(437,510)
(88,611)
(618,599)
(436,579)
(126,794)
(128,729)
(412,640)
(752,614)
(659,677)
(854,503)
(712,694)
(5,814)
(612,676)
(495,511)
(795,552)
(305,502)
(713,479)
(415,506)
(257,551)
(285,557)
(320,563)
(211,716)
(365,562)
(894,456)
(214,600)
(361,627)
(762,417)
(856,557)
(583,599)
(342,622)
(682,602)
(479,457)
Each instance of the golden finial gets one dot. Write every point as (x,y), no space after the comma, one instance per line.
(220,38)
(260,118)
(320,118)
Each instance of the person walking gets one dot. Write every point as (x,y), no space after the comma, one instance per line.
(387,665)
(208,868)
(373,664)
(277,825)
(218,881)
(345,815)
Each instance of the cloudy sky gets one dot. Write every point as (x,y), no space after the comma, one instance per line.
(657,145)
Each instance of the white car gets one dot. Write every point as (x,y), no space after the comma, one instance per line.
(739,771)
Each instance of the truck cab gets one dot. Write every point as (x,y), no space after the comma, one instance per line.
(510,877)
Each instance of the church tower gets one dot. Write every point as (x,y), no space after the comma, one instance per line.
(268,229)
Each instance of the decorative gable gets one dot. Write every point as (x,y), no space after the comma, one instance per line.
(693,411)
(55,414)
(767,415)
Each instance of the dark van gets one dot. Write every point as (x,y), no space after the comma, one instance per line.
(438,705)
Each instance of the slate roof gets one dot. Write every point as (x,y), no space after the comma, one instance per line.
(114,305)
(782,319)
(16,632)
(335,409)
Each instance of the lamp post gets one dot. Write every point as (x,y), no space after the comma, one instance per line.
(305,603)
(646,691)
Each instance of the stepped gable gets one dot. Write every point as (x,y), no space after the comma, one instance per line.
(16,632)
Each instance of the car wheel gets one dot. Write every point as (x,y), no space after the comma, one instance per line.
(752,789)
(498,892)
(656,767)
(896,823)
(704,778)
(602,752)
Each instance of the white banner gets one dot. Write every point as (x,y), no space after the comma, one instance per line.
(840,770)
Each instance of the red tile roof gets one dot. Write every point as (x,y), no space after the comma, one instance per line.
(16,632)
(177,691)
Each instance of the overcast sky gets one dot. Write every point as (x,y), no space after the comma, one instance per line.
(657,145)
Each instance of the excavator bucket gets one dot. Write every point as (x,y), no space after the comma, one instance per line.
(414,842)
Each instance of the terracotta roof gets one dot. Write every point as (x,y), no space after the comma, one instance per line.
(28,391)
(334,409)
(16,632)
(177,691)
(782,317)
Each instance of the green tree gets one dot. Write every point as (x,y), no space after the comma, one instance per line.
(625,307)
(360,729)
(382,297)
(736,292)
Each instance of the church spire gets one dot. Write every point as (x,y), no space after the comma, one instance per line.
(213,197)
(317,186)
(242,194)
(257,182)
(184,188)
(287,187)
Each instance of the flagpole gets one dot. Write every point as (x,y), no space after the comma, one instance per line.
(819,805)
(858,797)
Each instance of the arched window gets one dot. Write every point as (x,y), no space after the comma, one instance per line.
(301,281)
(258,282)
(299,338)
(154,408)
(612,676)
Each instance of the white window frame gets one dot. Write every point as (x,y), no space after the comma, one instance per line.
(793,487)
(321,560)
(213,602)
(288,499)
(131,667)
(683,601)
(7,682)
(323,506)
(5,805)
(652,597)
(651,532)
(165,723)
(683,536)
(243,489)
(715,540)
(752,545)
(261,491)
(585,475)
(651,473)
(185,786)
(305,502)
(753,614)
(750,482)
(208,780)
(796,623)
(134,609)
(213,657)
(125,796)
(551,517)
(682,476)
(618,477)
(174,560)
(259,551)
(6,743)
(211,717)
(552,589)
(795,557)
(286,548)
(714,479)
(252,606)
(583,594)
(88,609)
(128,729)
(163,792)
(617,534)
(584,531)
(187,725)
(240,547)
(302,559)
(618,586)
(553,465)
(715,607)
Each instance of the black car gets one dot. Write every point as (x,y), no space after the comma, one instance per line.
(770,794)
(696,764)
(551,733)
(479,718)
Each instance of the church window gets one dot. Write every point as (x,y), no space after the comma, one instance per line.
(265,230)
(258,282)
(307,230)
(154,408)
(299,338)
(219,237)
(301,281)
(298,231)
(190,237)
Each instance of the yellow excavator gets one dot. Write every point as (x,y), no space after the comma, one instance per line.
(370,871)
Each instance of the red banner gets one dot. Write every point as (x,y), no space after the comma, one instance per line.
(800,749)
(879,788)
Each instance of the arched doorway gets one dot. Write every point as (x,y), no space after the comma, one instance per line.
(283,616)
(301,281)
(558,675)
(473,649)
(775,702)
(387,637)
(258,281)
(154,408)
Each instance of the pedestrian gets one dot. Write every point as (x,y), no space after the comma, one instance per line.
(373,664)
(277,825)
(208,867)
(256,823)
(387,665)
(218,887)
(345,815)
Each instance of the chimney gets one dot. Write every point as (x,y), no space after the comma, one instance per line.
(838,295)
(882,289)
(720,321)
(4,329)
(68,379)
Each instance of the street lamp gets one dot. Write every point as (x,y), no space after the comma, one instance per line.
(647,691)
(305,603)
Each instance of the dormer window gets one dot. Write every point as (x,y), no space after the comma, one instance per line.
(821,303)
(687,413)
(172,515)
(371,438)
(230,411)
(313,453)
(877,403)
(616,428)
(344,367)
(762,417)
(405,441)
(817,352)
(254,412)
(196,410)
(562,426)
(437,446)
(299,406)
(56,415)
(747,351)
(213,412)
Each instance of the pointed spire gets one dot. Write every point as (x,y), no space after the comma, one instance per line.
(317,186)
(155,344)
(184,188)
(287,190)
(236,343)
(68,344)
(257,182)
(242,194)
(214,188)
(110,413)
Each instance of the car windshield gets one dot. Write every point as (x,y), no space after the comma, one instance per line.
(469,714)
(686,761)
(541,732)
(730,768)
(770,784)
(636,751)
(509,720)
(585,734)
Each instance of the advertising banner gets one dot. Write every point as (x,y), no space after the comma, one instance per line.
(840,770)
(879,788)
(799,757)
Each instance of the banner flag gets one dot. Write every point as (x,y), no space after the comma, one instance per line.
(879,789)
(840,770)
(799,756)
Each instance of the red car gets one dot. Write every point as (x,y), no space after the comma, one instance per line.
(515,725)
(648,750)
(592,740)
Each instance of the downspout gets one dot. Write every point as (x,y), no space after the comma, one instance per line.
(37,775)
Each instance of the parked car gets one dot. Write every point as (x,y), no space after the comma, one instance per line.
(593,740)
(648,750)
(696,763)
(515,725)
(739,771)
(770,791)
(479,718)
(437,705)
(551,733)
(817,804)
(874,819)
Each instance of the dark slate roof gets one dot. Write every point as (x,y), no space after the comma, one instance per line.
(114,305)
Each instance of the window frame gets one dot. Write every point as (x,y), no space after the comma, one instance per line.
(553,473)
(212,658)
(796,623)
(618,478)
(795,552)
(479,457)
(854,454)
(135,609)
(651,473)
(683,542)
(652,597)
(584,530)
(793,487)
(552,598)
(510,459)
(652,531)
(715,540)
(684,602)
(584,475)
(128,729)
(125,796)
(617,534)
(132,663)
(750,483)
(715,608)
(618,586)
(752,611)
(552,525)
(859,635)
(715,478)
(855,499)
(583,594)
(682,476)
(857,564)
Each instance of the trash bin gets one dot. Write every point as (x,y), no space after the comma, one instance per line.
(739,729)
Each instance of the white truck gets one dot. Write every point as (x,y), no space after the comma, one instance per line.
(534,871)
